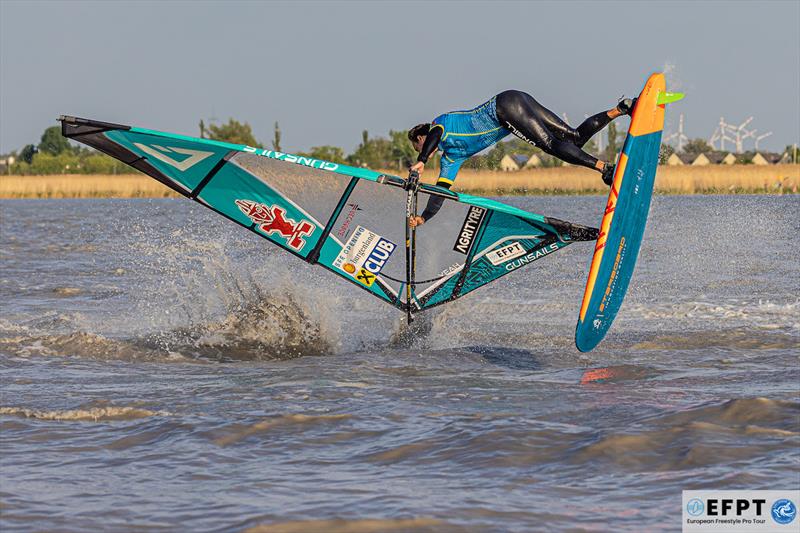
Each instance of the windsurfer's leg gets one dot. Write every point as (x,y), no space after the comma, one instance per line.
(595,123)
(532,122)
(512,104)
(592,125)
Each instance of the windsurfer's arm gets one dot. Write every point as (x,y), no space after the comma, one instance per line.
(434,203)
(447,175)
(431,143)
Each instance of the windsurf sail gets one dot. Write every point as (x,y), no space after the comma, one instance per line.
(348,220)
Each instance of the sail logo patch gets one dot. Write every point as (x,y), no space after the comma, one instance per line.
(354,208)
(160,153)
(364,255)
(533,256)
(366,277)
(468,229)
(505,254)
(273,219)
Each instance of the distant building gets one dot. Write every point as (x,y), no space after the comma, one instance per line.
(512,162)
(675,159)
(730,159)
(534,161)
(5,163)
(765,158)
(710,158)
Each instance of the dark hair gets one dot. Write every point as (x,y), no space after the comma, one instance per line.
(419,129)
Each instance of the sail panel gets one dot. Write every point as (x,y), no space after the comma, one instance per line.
(348,220)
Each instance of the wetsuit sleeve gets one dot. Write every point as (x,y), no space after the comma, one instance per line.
(447,175)
(434,203)
(431,142)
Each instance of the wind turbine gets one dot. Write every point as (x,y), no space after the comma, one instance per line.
(681,138)
(721,134)
(742,133)
(762,136)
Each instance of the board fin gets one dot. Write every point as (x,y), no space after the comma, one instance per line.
(669,98)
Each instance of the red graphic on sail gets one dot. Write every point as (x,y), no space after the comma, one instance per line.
(273,220)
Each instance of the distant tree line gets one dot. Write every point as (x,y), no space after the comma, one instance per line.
(54,154)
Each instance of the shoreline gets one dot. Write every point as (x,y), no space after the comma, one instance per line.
(561,181)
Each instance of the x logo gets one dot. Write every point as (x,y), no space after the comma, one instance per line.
(366,277)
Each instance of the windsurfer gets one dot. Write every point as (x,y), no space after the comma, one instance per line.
(462,134)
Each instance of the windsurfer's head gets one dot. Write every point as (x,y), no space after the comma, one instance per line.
(417,135)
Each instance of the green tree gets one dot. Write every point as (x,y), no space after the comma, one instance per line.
(696,147)
(496,154)
(276,138)
(53,142)
(373,153)
(233,132)
(613,143)
(793,153)
(590,146)
(402,151)
(664,153)
(518,146)
(333,154)
(27,153)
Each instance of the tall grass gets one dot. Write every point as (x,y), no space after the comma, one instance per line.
(83,186)
(715,179)
(669,180)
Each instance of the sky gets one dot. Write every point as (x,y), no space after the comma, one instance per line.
(328,70)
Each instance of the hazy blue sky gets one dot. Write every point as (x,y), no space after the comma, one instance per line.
(328,70)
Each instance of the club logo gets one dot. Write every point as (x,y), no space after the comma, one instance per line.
(160,152)
(273,219)
(468,229)
(364,255)
(784,511)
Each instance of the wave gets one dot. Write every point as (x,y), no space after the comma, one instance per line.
(237,432)
(364,525)
(94,414)
(735,430)
(742,339)
(273,327)
(762,313)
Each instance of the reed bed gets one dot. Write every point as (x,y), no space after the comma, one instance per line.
(83,186)
(774,179)
(669,180)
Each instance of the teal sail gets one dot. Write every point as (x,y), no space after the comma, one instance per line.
(348,220)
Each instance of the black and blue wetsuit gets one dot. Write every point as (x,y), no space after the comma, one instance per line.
(462,134)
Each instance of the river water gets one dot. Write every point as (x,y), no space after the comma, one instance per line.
(163,369)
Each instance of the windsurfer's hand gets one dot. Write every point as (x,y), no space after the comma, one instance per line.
(415,221)
(419,166)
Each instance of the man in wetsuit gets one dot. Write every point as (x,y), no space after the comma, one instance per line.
(462,134)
